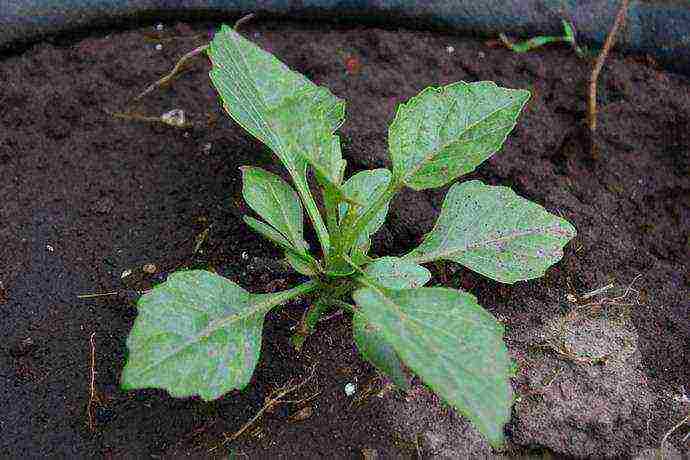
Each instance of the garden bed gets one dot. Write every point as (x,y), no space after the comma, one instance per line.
(87,196)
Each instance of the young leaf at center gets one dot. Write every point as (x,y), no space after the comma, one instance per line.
(257,90)
(273,199)
(365,187)
(397,273)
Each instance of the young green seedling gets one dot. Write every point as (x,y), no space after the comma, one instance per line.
(536,42)
(200,334)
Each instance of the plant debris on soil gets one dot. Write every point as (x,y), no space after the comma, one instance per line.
(91,204)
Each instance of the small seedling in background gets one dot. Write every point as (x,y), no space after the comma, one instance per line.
(536,42)
(200,334)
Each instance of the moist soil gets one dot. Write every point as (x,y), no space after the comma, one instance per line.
(87,197)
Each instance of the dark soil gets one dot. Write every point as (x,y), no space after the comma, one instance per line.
(85,196)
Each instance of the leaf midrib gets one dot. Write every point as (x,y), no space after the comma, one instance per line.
(212,327)
(294,233)
(430,156)
(427,257)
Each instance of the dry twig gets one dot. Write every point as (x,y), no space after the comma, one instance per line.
(592,95)
(92,394)
(675,427)
(620,301)
(102,294)
(274,399)
(180,66)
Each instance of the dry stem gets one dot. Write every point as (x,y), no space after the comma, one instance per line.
(180,66)
(592,95)
(91,296)
(273,400)
(620,301)
(92,394)
(678,425)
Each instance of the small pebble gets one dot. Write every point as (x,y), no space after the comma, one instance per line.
(159,47)
(150,268)
(174,117)
(350,389)
(450,49)
(370,454)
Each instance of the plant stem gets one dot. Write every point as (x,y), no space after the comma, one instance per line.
(308,322)
(331,204)
(279,298)
(300,181)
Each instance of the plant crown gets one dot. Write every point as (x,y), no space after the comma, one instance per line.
(200,334)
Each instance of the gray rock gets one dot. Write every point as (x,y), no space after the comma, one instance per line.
(585,386)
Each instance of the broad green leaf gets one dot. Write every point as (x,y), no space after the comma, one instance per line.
(257,89)
(396,273)
(366,187)
(274,200)
(443,133)
(496,233)
(267,231)
(374,348)
(453,344)
(197,334)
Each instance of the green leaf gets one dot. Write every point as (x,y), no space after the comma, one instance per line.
(443,133)
(365,187)
(396,273)
(303,264)
(257,90)
(198,334)
(303,123)
(453,344)
(274,200)
(374,348)
(496,233)
(267,231)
